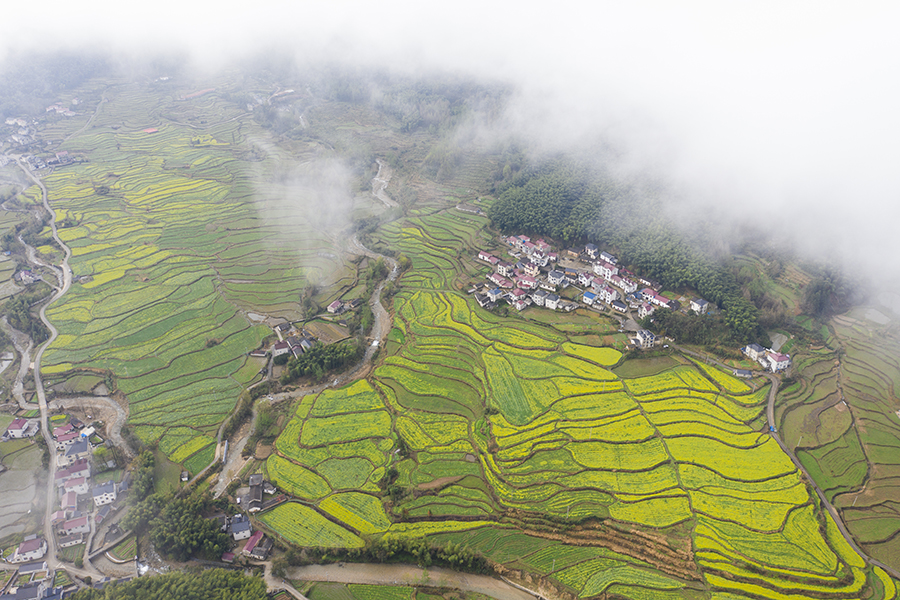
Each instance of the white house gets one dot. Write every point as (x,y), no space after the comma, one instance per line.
(607,257)
(607,294)
(104,494)
(555,277)
(645,309)
(644,339)
(76,451)
(240,527)
(605,270)
(526,283)
(699,306)
(65,440)
(335,307)
(70,540)
(589,298)
(551,301)
(32,549)
(778,362)
(754,351)
(280,348)
(539,297)
(73,526)
(21,428)
(591,250)
(80,468)
(79,485)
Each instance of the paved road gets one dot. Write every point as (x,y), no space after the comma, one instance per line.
(410,575)
(66,282)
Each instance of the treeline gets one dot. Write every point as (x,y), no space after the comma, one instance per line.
(211,584)
(321,358)
(174,525)
(577,203)
(392,549)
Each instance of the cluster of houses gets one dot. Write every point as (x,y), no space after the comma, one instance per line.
(768,358)
(76,493)
(257,545)
(33,581)
(290,341)
(536,278)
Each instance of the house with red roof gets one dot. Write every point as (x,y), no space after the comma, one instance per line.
(32,549)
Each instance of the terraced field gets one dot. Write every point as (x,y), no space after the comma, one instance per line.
(186,216)
(510,437)
(842,415)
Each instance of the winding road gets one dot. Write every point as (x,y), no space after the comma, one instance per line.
(66,282)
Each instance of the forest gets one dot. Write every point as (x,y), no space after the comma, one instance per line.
(212,584)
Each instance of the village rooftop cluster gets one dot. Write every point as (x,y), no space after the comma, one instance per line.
(537,276)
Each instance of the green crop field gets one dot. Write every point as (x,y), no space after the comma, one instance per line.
(841,416)
(505,434)
(174,235)
(526,437)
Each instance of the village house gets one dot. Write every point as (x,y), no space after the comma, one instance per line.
(521,303)
(80,468)
(585,278)
(336,307)
(280,348)
(69,501)
(605,270)
(252,542)
(699,306)
(607,294)
(754,351)
(65,440)
(589,298)
(592,251)
(619,306)
(79,485)
(241,528)
(497,279)
(778,361)
(104,494)
(571,275)
(744,373)
(495,294)
(80,449)
(645,309)
(526,282)
(644,339)
(539,297)
(32,549)
(539,259)
(488,258)
(58,517)
(531,268)
(21,428)
(551,301)
(73,526)
(609,258)
(505,269)
(62,430)
(555,277)
(67,541)
(483,301)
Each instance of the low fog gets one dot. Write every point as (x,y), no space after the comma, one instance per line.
(779,115)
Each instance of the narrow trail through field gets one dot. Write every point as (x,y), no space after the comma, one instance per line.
(773,431)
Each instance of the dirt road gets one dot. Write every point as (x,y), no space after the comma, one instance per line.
(409,575)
